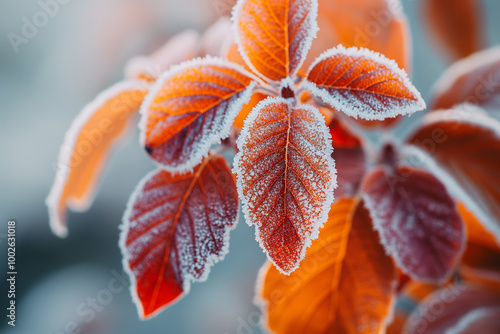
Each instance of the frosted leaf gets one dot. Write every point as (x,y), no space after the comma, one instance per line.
(175,228)
(87,145)
(462,147)
(274,37)
(286,178)
(417,220)
(362,83)
(190,108)
(346,284)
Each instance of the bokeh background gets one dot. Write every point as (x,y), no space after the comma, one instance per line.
(81,51)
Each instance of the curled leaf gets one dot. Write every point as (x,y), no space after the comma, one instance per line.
(190,108)
(175,228)
(91,137)
(274,36)
(417,221)
(286,177)
(362,83)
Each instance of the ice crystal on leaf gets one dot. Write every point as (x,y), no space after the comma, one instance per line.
(177,222)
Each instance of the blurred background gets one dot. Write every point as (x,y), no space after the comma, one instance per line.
(79,52)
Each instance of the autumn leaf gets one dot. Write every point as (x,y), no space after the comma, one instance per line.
(286,177)
(377,25)
(417,220)
(274,37)
(362,83)
(89,141)
(456,26)
(190,108)
(174,229)
(481,260)
(349,157)
(475,80)
(458,308)
(463,146)
(247,108)
(346,283)
(412,293)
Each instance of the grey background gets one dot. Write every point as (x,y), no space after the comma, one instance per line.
(81,51)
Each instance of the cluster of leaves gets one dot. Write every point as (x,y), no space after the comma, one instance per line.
(395,230)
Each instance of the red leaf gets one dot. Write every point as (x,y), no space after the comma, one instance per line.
(190,108)
(475,79)
(417,221)
(174,229)
(454,308)
(274,36)
(362,83)
(94,133)
(349,158)
(465,143)
(456,25)
(286,178)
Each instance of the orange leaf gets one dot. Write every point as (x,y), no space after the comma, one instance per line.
(456,25)
(233,55)
(481,259)
(247,108)
(474,79)
(190,108)
(91,137)
(174,229)
(363,84)
(378,25)
(346,283)
(274,36)
(476,232)
(286,177)
(465,143)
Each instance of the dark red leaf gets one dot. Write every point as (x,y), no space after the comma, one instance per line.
(349,158)
(417,220)
(456,309)
(465,143)
(175,228)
